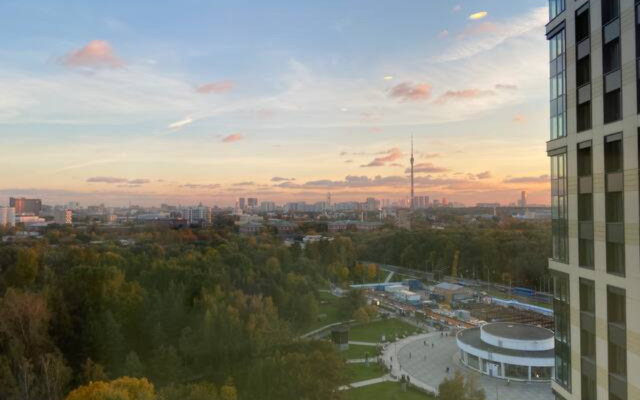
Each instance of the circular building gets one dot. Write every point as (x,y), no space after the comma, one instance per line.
(508,351)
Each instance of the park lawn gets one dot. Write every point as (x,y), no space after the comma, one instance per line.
(362,372)
(331,309)
(357,351)
(372,331)
(385,391)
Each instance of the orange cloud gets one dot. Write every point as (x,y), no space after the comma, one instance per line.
(520,118)
(464,95)
(480,29)
(215,87)
(411,92)
(528,179)
(426,168)
(96,54)
(390,156)
(232,138)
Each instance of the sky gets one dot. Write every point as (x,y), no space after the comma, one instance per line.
(194,101)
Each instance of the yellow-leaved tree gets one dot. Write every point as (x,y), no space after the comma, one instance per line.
(124,388)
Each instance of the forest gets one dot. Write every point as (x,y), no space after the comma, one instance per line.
(512,250)
(204,313)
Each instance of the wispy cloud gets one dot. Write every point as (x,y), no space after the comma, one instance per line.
(429,155)
(528,179)
(200,186)
(116,180)
(215,87)
(520,118)
(408,91)
(484,175)
(96,54)
(281,179)
(478,15)
(234,137)
(389,156)
(246,183)
(465,94)
(180,124)
(426,168)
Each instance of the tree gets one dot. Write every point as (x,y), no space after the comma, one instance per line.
(124,388)
(55,375)
(133,366)
(192,391)
(92,372)
(459,388)
(361,315)
(372,272)
(24,319)
(228,391)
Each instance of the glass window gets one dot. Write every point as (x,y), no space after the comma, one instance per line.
(555,8)
(562,327)
(610,10)
(557,84)
(559,221)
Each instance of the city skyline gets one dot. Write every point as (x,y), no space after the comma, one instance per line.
(220,103)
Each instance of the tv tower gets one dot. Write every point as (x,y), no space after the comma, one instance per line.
(412,204)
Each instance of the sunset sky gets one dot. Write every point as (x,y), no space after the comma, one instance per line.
(205,101)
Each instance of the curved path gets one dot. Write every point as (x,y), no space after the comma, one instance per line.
(426,366)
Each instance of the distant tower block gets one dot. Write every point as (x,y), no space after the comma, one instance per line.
(340,337)
(412,205)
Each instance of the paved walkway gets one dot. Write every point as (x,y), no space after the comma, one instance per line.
(368,382)
(426,365)
(363,343)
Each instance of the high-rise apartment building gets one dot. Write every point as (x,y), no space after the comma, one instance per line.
(252,202)
(7,217)
(593,148)
(26,206)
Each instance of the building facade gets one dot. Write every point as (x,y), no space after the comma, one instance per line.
(594,49)
(7,217)
(26,206)
(508,351)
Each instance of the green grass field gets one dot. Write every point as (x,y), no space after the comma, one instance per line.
(357,351)
(330,307)
(362,372)
(373,331)
(385,391)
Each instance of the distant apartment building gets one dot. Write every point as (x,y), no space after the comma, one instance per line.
(242,203)
(363,226)
(594,49)
(252,202)
(30,220)
(523,199)
(7,217)
(197,215)
(267,206)
(63,216)
(371,204)
(251,228)
(26,206)
(421,202)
